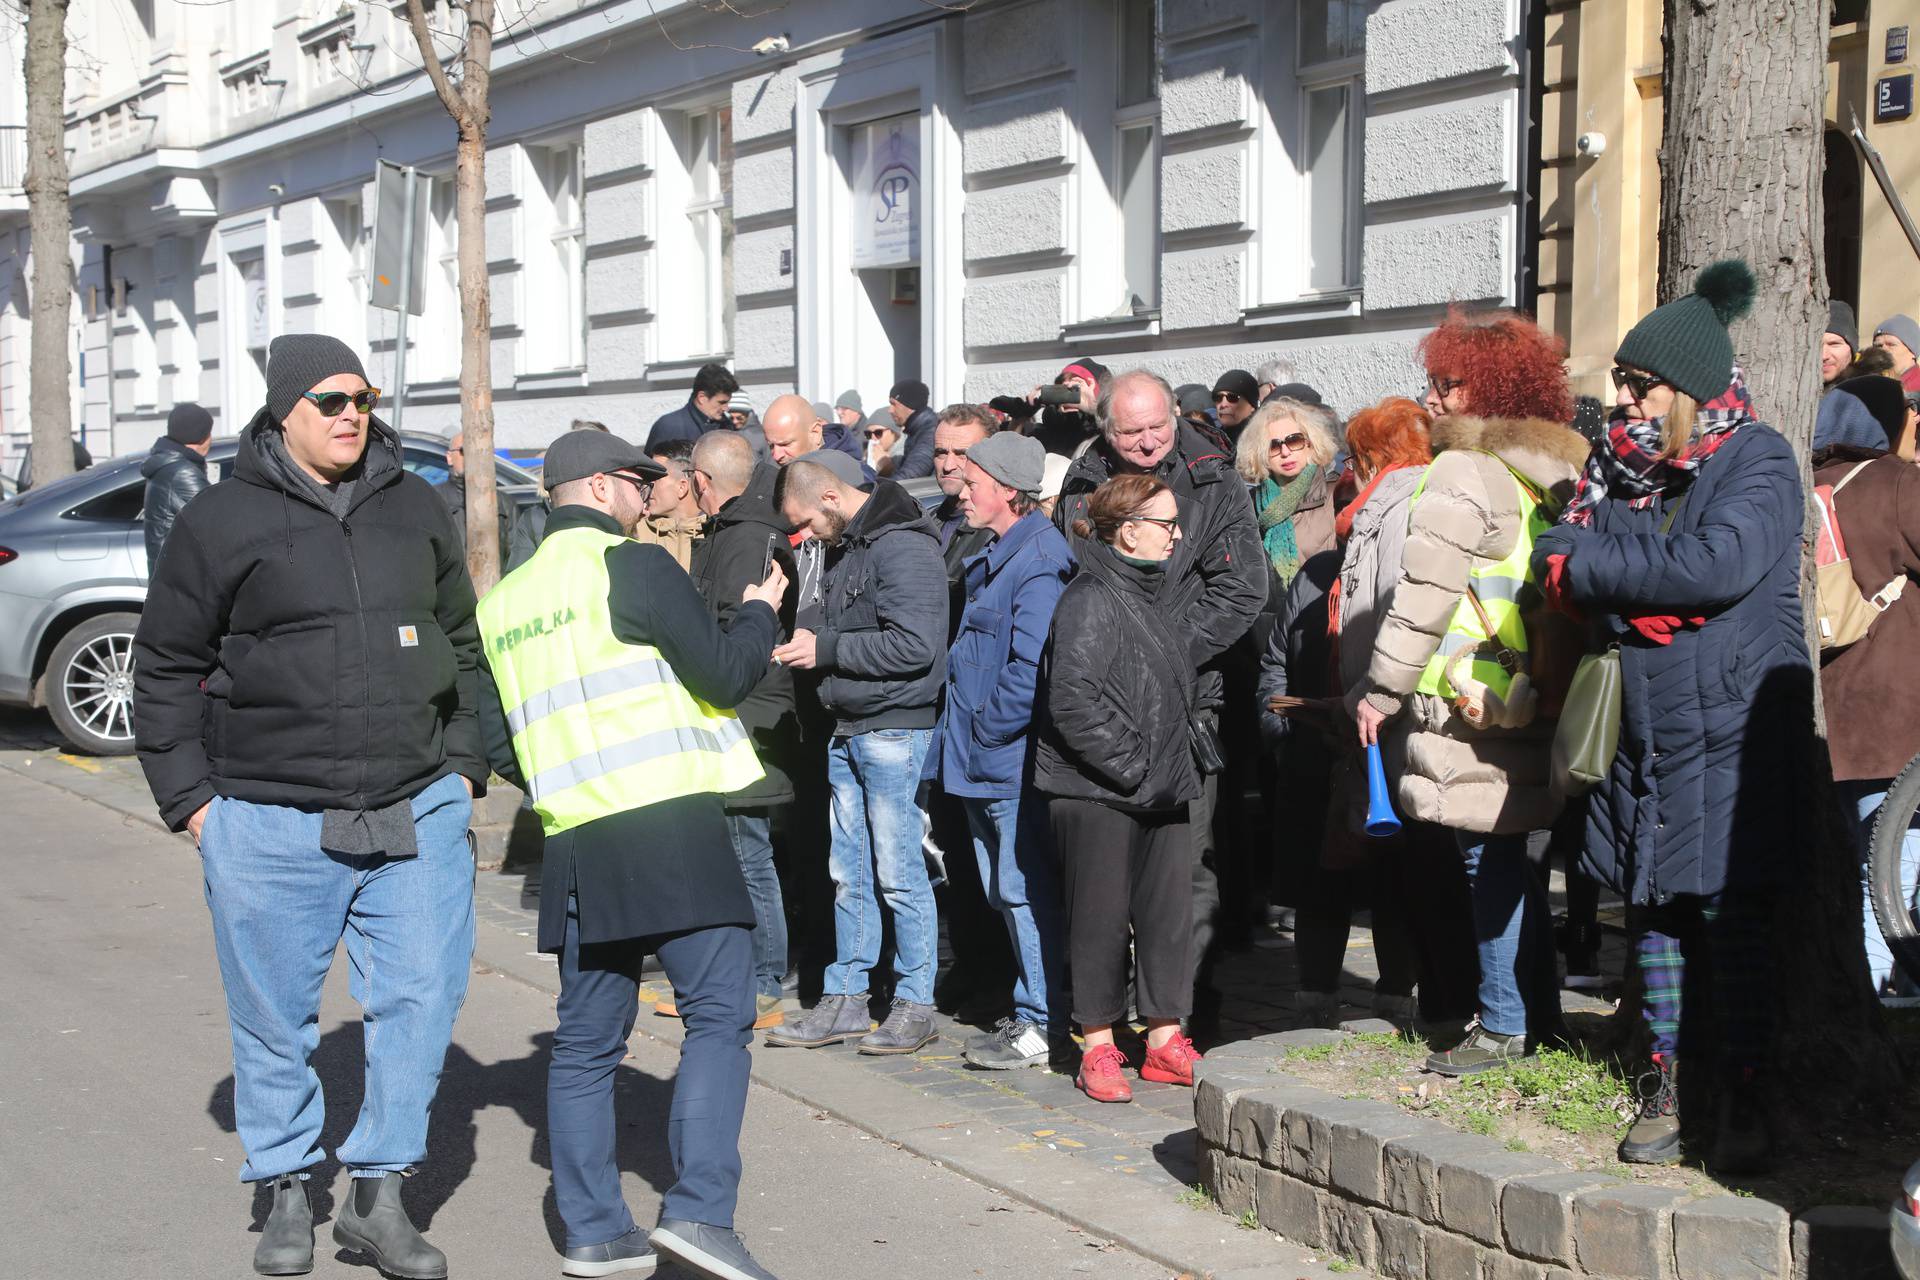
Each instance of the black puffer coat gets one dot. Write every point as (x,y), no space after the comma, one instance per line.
(176,475)
(1115,729)
(732,556)
(288,656)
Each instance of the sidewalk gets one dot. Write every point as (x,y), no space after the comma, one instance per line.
(1117,1173)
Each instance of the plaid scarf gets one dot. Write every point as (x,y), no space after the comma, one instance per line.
(1626,463)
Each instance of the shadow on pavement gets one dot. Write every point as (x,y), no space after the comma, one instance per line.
(467,1086)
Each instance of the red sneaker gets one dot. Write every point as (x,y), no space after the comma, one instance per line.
(1171,1063)
(1100,1077)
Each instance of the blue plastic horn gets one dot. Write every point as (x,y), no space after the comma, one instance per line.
(1382,821)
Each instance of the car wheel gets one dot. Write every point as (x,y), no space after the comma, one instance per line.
(89,684)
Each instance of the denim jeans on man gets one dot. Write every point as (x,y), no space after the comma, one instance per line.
(876,858)
(1014,846)
(752,834)
(712,975)
(1864,800)
(281,905)
(1511,924)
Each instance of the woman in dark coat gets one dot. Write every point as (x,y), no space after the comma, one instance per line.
(1683,543)
(1115,760)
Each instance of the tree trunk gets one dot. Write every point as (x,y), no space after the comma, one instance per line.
(1740,171)
(468,103)
(51,222)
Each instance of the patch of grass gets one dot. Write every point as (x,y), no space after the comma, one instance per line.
(1342,1265)
(1196,1197)
(1518,1144)
(1568,1091)
(1314,1052)
(1248,1221)
(1480,1122)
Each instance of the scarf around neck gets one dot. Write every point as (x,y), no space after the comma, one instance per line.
(1626,464)
(1277,503)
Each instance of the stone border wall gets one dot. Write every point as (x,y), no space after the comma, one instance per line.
(1415,1199)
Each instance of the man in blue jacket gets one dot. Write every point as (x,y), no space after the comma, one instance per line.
(980,754)
(704,411)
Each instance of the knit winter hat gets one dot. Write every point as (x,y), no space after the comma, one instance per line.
(911,393)
(849,400)
(1840,321)
(1685,342)
(1240,383)
(188,423)
(299,362)
(1903,328)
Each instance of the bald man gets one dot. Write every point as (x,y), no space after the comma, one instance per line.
(791,429)
(880,648)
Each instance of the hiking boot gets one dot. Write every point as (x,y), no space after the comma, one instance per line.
(1014,1043)
(834,1019)
(768,1012)
(1655,1136)
(1401,1011)
(372,1221)
(1101,1077)
(1171,1063)
(631,1252)
(286,1241)
(1742,1140)
(1317,1009)
(712,1251)
(1481,1050)
(908,1028)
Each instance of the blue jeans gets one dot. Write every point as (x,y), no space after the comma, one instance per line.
(281,905)
(1864,800)
(712,975)
(1022,880)
(1510,922)
(876,856)
(753,845)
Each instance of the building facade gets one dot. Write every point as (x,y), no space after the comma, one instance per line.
(827,196)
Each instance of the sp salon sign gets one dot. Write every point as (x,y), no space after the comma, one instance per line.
(886,193)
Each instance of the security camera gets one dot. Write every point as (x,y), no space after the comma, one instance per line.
(1591,144)
(772,45)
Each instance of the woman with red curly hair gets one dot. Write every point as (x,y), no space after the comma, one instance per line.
(1495,364)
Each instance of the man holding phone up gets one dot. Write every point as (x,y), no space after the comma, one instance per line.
(606,698)
(745,540)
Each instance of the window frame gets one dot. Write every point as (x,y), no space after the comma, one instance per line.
(694,293)
(554,210)
(1099,224)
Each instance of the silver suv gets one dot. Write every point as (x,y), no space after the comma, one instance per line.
(73,576)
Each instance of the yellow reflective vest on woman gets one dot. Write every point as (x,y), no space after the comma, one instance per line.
(599,726)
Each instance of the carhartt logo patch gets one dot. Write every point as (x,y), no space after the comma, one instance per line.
(409,637)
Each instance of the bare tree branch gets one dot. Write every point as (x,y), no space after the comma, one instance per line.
(423,36)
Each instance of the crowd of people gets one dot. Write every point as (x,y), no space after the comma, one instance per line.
(1094,709)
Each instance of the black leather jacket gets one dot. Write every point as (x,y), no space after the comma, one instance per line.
(175,475)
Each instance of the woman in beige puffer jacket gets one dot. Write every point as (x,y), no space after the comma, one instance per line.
(1490,786)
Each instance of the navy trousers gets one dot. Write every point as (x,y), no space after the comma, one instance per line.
(712,975)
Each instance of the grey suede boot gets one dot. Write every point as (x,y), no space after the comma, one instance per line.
(372,1221)
(286,1241)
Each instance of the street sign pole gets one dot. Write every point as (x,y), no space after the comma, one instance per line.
(406,300)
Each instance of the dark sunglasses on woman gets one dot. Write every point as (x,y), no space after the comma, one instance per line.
(334,403)
(1637,383)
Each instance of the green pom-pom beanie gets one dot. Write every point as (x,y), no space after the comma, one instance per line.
(1686,341)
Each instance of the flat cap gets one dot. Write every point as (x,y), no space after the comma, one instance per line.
(579,454)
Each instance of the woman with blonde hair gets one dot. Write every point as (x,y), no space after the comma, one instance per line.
(1286,457)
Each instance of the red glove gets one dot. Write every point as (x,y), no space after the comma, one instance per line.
(1558,591)
(1659,627)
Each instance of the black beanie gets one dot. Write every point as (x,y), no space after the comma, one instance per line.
(1884,398)
(1294,391)
(1240,383)
(910,393)
(1686,342)
(299,362)
(188,423)
(1840,320)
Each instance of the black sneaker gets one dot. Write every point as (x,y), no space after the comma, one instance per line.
(630,1253)
(1013,1043)
(712,1251)
(1655,1136)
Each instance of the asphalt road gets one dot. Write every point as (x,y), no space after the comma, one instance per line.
(117,1151)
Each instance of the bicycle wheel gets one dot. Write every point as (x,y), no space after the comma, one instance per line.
(1891,889)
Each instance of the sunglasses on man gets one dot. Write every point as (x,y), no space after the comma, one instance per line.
(1637,384)
(1227,397)
(334,403)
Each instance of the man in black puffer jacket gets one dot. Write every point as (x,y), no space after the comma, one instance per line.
(176,472)
(881,648)
(1217,585)
(305,680)
(744,534)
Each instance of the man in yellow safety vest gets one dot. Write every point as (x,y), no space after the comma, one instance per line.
(607,699)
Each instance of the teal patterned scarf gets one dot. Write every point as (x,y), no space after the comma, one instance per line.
(1277,503)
